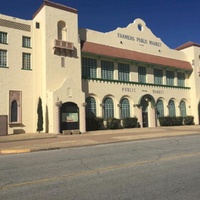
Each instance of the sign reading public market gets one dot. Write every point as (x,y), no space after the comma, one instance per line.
(137,39)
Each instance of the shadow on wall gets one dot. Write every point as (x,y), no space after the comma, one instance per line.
(47,120)
(18,131)
(66,53)
(17,128)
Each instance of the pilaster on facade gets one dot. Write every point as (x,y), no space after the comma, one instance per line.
(83,118)
(58,105)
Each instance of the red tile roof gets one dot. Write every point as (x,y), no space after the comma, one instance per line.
(99,49)
(187,44)
(55,5)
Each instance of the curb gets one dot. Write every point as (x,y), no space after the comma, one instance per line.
(12,151)
(27,139)
(18,151)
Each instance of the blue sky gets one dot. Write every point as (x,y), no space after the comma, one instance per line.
(174,21)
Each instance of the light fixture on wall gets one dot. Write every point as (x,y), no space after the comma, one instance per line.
(58,103)
(102,104)
(84,104)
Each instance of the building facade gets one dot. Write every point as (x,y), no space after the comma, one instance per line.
(123,73)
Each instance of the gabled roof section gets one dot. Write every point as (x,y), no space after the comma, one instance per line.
(98,49)
(55,5)
(187,44)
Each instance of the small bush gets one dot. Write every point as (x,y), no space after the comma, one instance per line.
(113,123)
(188,120)
(177,121)
(165,121)
(130,122)
(171,121)
(94,123)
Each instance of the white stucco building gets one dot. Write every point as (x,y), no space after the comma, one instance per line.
(126,72)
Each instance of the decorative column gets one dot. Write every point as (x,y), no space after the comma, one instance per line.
(141,119)
(139,115)
(83,118)
(153,117)
(58,105)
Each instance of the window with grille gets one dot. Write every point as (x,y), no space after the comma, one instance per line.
(3,38)
(3,58)
(181,79)
(91,107)
(108,108)
(160,108)
(158,76)
(26,61)
(182,109)
(123,72)
(89,68)
(125,108)
(172,110)
(107,70)
(170,78)
(26,42)
(141,74)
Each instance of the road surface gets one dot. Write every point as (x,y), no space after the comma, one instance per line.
(158,169)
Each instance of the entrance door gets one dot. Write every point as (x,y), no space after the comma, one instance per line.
(145,105)
(145,119)
(69,116)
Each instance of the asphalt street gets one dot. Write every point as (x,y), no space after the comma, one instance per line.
(167,168)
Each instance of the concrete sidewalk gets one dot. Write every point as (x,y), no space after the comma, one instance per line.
(31,142)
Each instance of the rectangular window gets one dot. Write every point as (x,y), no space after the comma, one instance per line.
(123,72)
(181,79)
(158,76)
(170,78)
(26,61)
(141,74)
(37,25)
(89,68)
(3,38)
(26,42)
(3,58)
(107,70)
(62,61)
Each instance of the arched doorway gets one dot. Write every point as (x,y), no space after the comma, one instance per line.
(69,116)
(147,104)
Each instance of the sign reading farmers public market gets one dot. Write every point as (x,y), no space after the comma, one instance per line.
(137,39)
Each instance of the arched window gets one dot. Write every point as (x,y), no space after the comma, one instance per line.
(172,109)
(182,109)
(160,108)
(125,108)
(62,31)
(91,107)
(14,111)
(108,108)
(15,106)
